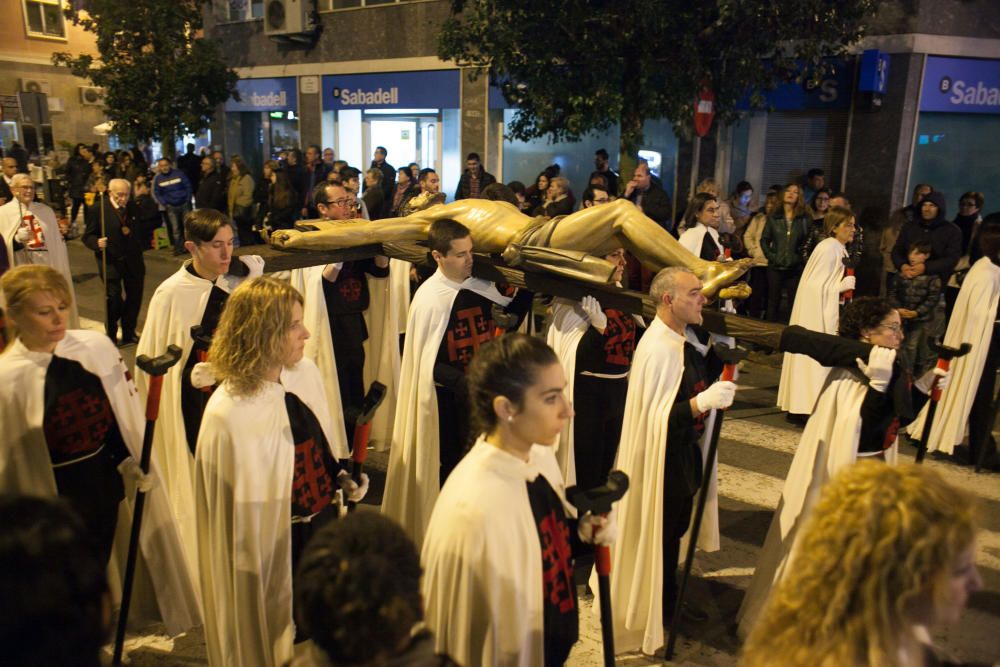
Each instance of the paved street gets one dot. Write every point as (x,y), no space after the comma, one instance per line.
(754,455)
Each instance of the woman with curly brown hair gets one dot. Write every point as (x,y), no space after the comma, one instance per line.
(887,557)
(266,476)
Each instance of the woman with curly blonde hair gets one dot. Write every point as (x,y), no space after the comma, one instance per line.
(266,476)
(887,556)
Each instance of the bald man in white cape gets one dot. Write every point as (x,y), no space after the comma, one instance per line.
(669,413)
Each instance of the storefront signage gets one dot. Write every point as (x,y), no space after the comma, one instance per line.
(832,91)
(265,95)
(961,85)
(434,89)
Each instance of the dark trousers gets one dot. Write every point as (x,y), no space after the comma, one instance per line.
(778,279)
(302,532)
(597,427)
(351,380)
(175,224)
(982,446)
(453,430)
(77,205)
(756,305)
(93,488)
(124,293)
(676,519)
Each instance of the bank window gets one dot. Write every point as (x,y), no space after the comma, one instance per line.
(244,10)
(44,18)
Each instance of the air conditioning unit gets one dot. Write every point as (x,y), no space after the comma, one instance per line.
(36,86)
(91,96)
(288,17)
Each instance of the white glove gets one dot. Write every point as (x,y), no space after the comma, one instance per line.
(599,529)
(592,309)
(255,264)
(847,283)
(131,472)
(352,491)
(879,368)
(22,235)
(926,380)
(203,375)
(719,396)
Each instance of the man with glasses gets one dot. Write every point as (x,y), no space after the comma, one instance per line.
(111,232)
(347,296)
(9,169)
(31,234)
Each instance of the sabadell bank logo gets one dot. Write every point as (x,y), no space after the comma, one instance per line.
(272,99)
(361,96)
(969,94)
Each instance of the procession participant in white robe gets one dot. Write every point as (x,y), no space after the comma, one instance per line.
(73,427)
(817,307)
(31,235)
(265,474)
(194,295)
(498,557)
(669,412)
(595,347)
(450,317)
(858,415)
(964,405)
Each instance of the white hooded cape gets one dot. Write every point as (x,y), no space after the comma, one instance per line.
(25,466)
(569,324)
(971,322)
(412,482)
(816,307)
(386,319)
(829,443)
(56,256)
(243,482)
(482,559)
(177,305)
(637,554)
(694,237)
(319,348)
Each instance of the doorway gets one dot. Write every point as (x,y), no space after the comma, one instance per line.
(406,138)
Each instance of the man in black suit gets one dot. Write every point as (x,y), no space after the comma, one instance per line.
(125,267)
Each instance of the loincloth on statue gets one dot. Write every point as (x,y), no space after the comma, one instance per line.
(532,248)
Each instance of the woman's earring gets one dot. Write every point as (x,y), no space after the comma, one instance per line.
(510,418)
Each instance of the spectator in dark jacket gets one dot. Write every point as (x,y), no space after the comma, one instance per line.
(77,172)
(558,200)
(388,172)
(145,210)
(649,197)
(191,166)
(313,172)
(916,299)
(781,241)
(282,206)
(211,187)
(374,195)
(474,179)
(931,226)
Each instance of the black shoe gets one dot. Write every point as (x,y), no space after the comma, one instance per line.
(129,340)
(798,420)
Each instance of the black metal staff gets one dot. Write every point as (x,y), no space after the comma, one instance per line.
(730,356)
(156,368)
(599,501)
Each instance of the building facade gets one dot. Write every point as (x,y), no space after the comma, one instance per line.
(372,78)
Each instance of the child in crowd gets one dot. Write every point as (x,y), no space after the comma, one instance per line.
(916,299)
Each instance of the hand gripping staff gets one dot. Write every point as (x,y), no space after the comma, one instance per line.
(362,429)
(730,357)
(945,355)
(599,501)
(156,368)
